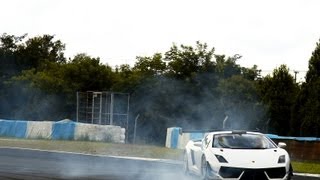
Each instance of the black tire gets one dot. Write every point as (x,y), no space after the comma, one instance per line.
(290,172)
(204,169)
(185,164)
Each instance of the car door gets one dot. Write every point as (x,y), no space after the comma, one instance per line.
(198,153)
(195,151)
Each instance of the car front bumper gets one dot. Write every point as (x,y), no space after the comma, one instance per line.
(278,173)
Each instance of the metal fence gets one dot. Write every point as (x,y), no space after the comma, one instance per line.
(105,108)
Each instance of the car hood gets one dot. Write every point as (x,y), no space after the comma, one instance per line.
(253,158)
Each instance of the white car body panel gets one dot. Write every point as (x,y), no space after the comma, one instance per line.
(254,159)
(263,161)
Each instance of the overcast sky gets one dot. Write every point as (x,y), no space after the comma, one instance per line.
(267,33)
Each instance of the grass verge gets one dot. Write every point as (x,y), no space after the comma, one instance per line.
(306,167)
(101,148)
(111,149)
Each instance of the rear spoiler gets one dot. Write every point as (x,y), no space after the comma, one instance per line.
(202,131)
(214,130)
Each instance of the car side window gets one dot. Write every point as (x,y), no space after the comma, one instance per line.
(213,141)
(216,143)
(206,142)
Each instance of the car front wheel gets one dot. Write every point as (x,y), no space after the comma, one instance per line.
(290,172)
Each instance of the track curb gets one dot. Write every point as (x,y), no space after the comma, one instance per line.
(307,175)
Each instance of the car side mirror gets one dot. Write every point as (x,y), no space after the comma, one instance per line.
(282,145)
(198,144)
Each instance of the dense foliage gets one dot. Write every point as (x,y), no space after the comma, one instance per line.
(187,86)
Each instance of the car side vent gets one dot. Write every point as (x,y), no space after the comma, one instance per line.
(229,172)
(276,172)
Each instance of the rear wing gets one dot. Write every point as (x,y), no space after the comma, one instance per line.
(216,130)
(201,131)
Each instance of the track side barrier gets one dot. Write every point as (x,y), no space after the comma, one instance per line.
(39,130)
(178,138)
(173,136)
(61,130)
(93,132)
(299,148)
(9,128)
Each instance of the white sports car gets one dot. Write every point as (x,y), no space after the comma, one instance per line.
(237,155)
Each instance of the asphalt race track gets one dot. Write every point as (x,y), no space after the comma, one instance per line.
(16,164)
(30,164)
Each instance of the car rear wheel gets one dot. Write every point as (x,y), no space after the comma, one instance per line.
(185,164)
(204,169)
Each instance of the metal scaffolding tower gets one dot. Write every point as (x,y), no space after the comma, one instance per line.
(105,108)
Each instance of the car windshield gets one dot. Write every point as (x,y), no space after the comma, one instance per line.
(242,141)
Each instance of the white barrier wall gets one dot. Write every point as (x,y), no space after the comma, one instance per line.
(172,138)
(168,138)
(176,139)
(39,130)
(183,140)
(61,130)
(93,132)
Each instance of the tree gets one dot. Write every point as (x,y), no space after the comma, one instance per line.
(187,86)
(150,66)
(126,79)
(238,100)
(306,114)
(89,74)
(17,55)
(314,65)
(278,92)
(8,56)
(251,73)
(227,67)
(41,49)
(60,82)
(188,91)
(184,63)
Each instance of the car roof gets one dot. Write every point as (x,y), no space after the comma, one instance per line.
(235,132)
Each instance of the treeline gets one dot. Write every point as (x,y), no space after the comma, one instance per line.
(187,86)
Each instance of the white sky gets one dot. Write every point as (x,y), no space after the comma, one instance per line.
(267,33)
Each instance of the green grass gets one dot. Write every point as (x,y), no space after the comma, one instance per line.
(124,150)
(306,167)
(102,148)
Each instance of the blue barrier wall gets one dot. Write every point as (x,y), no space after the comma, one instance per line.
(175,137)
(63,130)
(12,128)
(273,136)
(195,136)
(175,140)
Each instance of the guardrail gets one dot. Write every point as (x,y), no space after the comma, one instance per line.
(61,130)
(299,148)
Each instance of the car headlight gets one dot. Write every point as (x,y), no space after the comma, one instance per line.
(282,159)
(221,159)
